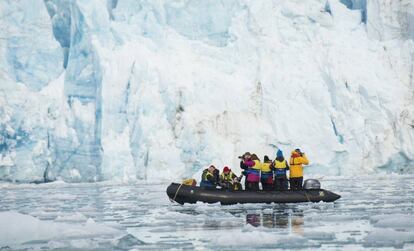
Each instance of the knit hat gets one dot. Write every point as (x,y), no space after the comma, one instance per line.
(226,169)
(279,153)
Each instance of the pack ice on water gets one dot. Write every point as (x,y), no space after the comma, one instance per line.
(118,90)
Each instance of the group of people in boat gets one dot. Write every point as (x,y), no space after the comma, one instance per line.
(271,174)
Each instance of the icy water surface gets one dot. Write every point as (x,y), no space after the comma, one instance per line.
(375,213)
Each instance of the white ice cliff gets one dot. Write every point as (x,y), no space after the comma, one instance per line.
(125,89)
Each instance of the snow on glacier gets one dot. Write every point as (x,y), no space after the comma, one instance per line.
(94,90)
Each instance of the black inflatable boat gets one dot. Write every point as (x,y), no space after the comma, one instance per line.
(191,194)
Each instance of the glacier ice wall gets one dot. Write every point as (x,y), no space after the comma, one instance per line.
(123,89)
(78,156)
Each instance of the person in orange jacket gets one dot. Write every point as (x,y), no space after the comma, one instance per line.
(297,160)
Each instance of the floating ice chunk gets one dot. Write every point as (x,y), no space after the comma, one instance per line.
(336,218)
(19,228)
(128,241)
(77,217)
(292,242)
(84,244)
(387,238)
(315,235)
(396,221)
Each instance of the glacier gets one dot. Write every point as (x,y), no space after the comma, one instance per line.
(125,90)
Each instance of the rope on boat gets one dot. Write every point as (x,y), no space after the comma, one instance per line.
(307,197)
(176,192)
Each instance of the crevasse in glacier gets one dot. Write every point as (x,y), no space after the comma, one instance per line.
(121,89)
(79,158)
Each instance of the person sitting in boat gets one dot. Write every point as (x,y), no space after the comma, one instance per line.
(253,172)
(297,160)
(266,176)
(280,167)
(236,184)
(209,178)
(228,180)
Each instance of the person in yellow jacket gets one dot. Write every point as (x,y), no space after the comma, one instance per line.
(209,177)
(266,174)
(228,180)
(297,160)
(280,168)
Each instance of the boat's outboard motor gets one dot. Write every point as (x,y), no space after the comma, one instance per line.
(311,184)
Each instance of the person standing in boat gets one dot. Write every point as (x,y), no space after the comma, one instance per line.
(210,177)
(297,160)
(280,167)
(266,174)
(253,172)
(244,158)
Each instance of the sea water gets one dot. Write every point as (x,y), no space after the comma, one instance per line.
(375,212)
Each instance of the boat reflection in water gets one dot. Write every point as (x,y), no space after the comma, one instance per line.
(292,219)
